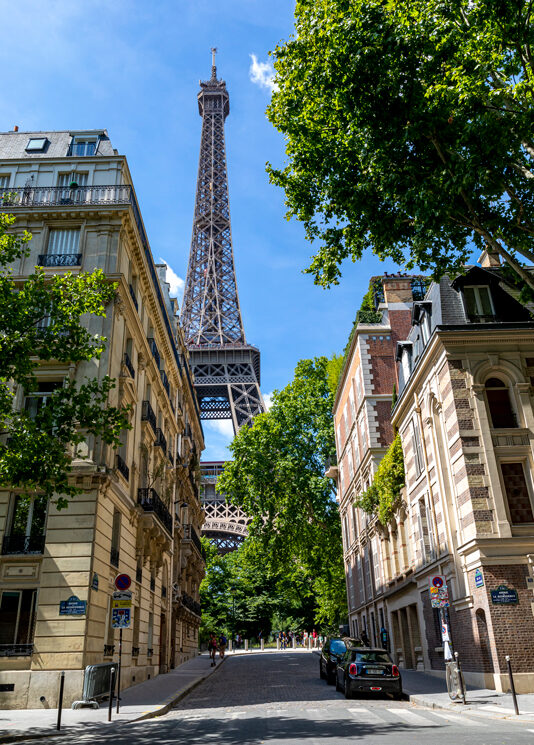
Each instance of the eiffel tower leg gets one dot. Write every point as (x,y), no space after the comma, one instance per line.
(246,402)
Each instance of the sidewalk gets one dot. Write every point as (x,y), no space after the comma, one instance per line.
(430,690)
(149,699)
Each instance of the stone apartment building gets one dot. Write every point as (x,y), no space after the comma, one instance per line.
(362,414)
(140,510)
(465,370)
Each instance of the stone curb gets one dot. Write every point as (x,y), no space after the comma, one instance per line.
(421,700)
(164,709)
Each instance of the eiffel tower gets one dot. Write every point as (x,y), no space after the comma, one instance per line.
(226,368)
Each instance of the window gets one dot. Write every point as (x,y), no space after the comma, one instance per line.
(26,534)
(479,303)
(115,539)
(351,462)
(4,182)
(406,362)
(417,448)
(150,635)
(352,408)
(37,144)
(83,147)
(63,248)
(500,408)
(39,398)
(17,618)
(517,493)
(69,179)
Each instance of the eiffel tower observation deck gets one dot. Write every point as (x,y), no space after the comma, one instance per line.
(226,369)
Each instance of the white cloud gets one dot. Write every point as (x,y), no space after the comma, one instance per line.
(176,282)
(268,400)
(262,73)
(223,427)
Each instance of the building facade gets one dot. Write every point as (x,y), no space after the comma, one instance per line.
(140,511)
(464,376)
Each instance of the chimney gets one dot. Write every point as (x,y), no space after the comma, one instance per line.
(16,128)
(397,289)
(489,258)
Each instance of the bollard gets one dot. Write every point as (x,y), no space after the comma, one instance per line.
(460,676)
(111,690)
(262,645)
(512,686)
(294,641)
(60,699)
(230,645)
(277,643)
(246,645)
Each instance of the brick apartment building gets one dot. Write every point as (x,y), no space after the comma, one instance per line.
(465,370)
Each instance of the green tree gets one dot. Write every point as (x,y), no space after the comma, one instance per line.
(277,476)
(408,127)
(40,322)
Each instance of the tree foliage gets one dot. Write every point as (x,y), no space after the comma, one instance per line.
(383,495)
(40,321)
(408,127)
(277,476)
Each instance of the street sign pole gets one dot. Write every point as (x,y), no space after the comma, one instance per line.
(119,672)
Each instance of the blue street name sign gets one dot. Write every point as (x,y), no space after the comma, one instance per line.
(72,607)
(479,578)
(504,596)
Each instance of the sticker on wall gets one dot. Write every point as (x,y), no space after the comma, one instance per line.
(479,578)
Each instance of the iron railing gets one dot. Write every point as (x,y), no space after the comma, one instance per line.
(16,650)
(128,364)
(23,544)
(122,468)
(154,349)
(149,652)
(135,651)
(96,681)
(165,381)
(161,440)
(134,298)
(60,259)
(114,557)
(63,196)
(147,415)
(109,650)
(191,604)
(190,534)
(150,502)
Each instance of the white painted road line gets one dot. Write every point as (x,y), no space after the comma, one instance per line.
(411,717)
(458,719)
(365,716)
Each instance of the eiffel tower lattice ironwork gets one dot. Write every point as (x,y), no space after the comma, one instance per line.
(226,368)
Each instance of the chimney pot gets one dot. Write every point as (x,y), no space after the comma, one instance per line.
(16,128)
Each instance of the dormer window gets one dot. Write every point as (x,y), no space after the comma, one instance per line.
(36,144)
(406,362)
(83,146)
(479,303)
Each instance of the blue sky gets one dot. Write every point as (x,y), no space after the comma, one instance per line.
(133,68)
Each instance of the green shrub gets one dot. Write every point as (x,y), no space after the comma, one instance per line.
(383,496)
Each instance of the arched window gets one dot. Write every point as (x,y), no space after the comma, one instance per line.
(499,405)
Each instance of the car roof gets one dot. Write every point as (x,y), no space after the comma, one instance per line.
(367,649)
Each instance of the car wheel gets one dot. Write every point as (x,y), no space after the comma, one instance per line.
(398,696)
(338,687)
(321,673)
(346,690)
(330,679)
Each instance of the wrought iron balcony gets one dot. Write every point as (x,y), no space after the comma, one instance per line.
(152,584)
(154,349)
(109,649)
(134,297)
(16,650)
(150,502)
(139,574)
(161,441)
(60,259)
(190,534)
(191,604)
(122,468)
(165,381)
(62,196)
(128,364)
(114,557)
(135,651)
(147,415)
(23,544)
(149,652)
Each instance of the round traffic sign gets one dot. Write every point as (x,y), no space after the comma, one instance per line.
(122,581)
(437,581)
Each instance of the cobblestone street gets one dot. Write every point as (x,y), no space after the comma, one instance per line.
(278,698)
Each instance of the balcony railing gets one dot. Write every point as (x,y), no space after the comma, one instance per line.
(165,381)
(150,502)
(191,534)
(122,468)
(60,259)
(128,364)
(23,544)
(161,441)
(135,651)
(114,557)
(154,349)
(109,649)
(62,196)
(16,650)
(134,297)
(191,604)
(149,652)
(510,437)
(147,415)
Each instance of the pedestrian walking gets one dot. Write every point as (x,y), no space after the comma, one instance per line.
(212,648)
(223,641)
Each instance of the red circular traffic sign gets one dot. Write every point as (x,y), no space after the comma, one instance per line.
(437,581)
(122,581)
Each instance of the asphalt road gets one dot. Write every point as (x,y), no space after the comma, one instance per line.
(278,699)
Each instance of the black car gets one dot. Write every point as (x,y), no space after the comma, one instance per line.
(368,670)
(332,652)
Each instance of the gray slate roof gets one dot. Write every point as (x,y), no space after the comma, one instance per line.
(13,144)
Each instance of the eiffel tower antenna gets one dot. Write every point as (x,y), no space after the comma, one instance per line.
(226,368)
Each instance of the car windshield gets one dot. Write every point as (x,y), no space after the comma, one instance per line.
(337,646)
(380,657)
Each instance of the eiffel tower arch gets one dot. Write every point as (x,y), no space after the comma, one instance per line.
(226,368)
